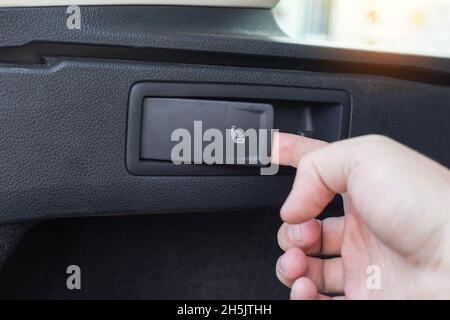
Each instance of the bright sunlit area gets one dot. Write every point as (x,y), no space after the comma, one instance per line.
(405,26)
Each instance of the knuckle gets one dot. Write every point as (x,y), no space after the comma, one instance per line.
(306,161)
(374,146)
(377,140)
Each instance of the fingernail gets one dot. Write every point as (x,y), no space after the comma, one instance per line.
(292,295)
(295,233)
(282,265)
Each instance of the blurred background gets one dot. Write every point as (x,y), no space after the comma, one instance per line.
(404,26)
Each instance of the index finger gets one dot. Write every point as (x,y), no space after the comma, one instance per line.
(290,148)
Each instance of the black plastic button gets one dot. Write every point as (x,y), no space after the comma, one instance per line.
(162,117)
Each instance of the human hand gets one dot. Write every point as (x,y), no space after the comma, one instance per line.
(397,218)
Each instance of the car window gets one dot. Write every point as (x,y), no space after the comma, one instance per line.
(403,26)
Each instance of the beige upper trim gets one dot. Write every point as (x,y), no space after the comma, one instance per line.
(209,3)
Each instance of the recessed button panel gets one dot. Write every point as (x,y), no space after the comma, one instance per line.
(158,111)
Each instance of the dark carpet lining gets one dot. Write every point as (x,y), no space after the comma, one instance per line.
(171,256)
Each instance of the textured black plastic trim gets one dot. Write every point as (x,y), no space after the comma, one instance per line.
(63,130)
(221,36)
(39,52)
